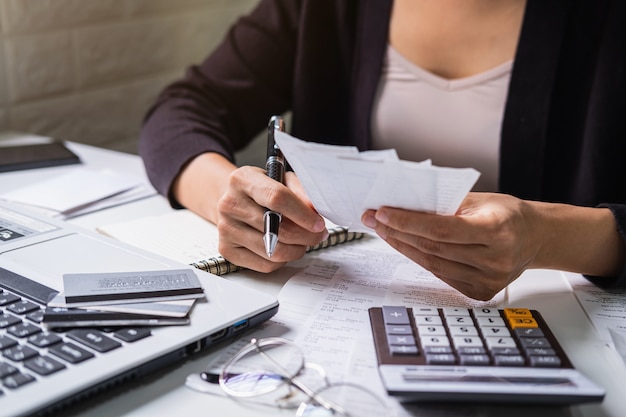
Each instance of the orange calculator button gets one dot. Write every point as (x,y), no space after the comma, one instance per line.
(520,318)
(519,322)
(517,312)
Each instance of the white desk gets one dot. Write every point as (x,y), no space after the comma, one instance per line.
(165,394)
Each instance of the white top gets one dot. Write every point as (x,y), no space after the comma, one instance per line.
(454,123)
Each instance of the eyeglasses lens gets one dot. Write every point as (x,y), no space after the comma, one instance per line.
(261,368)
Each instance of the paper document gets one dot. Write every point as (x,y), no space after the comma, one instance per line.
(606,309)
(343,182)
(323,309)
(80,190)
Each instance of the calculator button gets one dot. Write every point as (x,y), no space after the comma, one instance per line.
(398,329)
(440,359)
(471,350)
(435,320)
(463,331)
(540,352)
(467,341)
(486,312)
(528,332)
(545,361)
(508,360)
(517,313)
(425,311)
(534,342)
(401,340)
(480,360)
(455,311)
(495,331)
(437,349)
(490,321)
(518,322)
(493,342)
(434,341)
(395,315)
(403,350)
(505,351)
(425,330)
(459,320)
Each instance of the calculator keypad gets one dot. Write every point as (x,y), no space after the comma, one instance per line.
(512,337)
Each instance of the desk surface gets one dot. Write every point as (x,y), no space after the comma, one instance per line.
(164,393)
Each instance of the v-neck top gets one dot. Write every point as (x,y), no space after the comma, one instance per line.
(453,122)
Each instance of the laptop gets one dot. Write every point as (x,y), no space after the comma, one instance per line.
(41,370)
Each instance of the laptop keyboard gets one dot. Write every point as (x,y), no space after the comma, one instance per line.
(30,352)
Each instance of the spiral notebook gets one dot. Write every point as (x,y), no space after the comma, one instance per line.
(186,237)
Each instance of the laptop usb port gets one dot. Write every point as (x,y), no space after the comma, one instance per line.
(240,325)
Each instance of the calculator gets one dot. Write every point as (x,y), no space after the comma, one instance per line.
(474,355)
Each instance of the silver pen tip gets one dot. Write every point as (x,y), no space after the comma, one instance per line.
(270,240)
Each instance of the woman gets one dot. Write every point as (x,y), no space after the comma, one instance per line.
(540,99)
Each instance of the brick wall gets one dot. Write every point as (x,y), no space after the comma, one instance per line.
(87,70)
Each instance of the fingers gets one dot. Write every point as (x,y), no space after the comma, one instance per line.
(479,251)
(467,279)
(263,192)
(462,228)
(244,246)
(439,243)
(240,221)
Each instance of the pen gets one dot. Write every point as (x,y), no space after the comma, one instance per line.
(275,167)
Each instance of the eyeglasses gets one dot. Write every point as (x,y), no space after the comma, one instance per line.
(275,366)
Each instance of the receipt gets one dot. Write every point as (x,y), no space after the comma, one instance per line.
(342,182)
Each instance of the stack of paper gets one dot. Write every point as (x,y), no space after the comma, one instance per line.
(342,182)
(80,191)
(120,299)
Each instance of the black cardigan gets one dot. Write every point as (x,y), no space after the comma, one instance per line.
(563,135)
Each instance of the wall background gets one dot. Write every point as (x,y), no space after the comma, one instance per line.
(87,70)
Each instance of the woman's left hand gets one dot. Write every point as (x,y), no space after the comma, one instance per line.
(490,241)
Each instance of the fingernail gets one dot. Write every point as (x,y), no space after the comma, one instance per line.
(319,225)
(382,217)
(369,221)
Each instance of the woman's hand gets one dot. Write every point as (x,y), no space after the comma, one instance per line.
(240,219)
(493,238)
(235,200)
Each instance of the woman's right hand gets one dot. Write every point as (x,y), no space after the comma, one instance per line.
(240,222)
(235,200)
